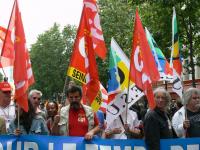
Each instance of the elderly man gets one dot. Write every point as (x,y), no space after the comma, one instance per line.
(75,119)
(157,124)
(186,121)
(7,107)
(35,98)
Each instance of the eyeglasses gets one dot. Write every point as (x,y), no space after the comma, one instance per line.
(36,98)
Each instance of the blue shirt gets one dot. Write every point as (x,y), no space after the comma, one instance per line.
(38,126)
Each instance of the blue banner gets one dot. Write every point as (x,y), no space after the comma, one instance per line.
(39,142)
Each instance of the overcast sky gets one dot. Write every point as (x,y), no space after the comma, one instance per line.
(39,15)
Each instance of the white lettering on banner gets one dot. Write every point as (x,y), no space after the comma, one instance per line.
(127,148)
(117,148)
(189,147)
(19,145)
(30,145)
(117,106)
(106,147)
(51,146)
(1,146)
(176,147)
(9,145)
(139,148)
(103,147)
(91,146)
(67,146)
(193,147)
(138,66)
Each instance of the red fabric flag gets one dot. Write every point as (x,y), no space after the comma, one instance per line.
(23,75)
(92,80)
(7,48)
(91,17)
(89,41)
(143,70)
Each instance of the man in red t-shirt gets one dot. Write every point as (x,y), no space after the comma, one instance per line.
(76,119)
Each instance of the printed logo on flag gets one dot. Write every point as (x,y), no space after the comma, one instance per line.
(77,74)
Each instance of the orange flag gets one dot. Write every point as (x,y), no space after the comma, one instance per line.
(23,75)
(89,41)
(143,70)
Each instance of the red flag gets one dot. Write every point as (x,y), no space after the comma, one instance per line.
(92,78)
(23,76)
(91,16)
(7,48)
(89,41)
(143,70)
(104,95)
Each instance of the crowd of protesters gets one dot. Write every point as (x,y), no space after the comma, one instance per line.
(169,119)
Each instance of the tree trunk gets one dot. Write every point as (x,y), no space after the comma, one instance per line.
(191,55)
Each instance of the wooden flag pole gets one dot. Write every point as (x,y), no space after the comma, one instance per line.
(64,88)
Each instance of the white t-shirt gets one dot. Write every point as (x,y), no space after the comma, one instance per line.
(132,120)
(8,113)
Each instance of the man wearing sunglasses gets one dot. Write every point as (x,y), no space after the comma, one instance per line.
(35,98)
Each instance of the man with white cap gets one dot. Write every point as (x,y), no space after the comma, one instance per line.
(7,106)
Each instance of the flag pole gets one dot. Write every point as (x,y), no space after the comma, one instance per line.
(64,88)
(165,85)
(7,35)
(127,98)
(18,116)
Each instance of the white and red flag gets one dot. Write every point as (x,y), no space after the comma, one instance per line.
(7,46)
(143,69)
(22,71)
(89,41)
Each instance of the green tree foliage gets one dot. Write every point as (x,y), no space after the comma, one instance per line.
(117,18)
(50,57)
(117,21)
